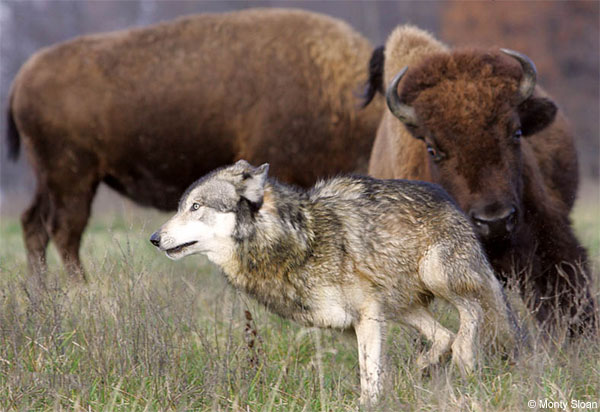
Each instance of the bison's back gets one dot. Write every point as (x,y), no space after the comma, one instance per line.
(187,96)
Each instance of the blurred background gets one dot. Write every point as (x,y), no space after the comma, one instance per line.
(561,37)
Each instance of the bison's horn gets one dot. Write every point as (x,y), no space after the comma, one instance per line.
(402,111)
(529,73)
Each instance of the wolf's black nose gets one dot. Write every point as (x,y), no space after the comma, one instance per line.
(155,239)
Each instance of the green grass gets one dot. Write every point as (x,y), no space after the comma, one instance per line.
(147,333)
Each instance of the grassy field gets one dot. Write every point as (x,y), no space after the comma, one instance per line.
(147,333)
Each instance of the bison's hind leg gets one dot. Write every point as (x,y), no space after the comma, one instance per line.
(420,318)
(61,215)
(35,232)
(60,210)
(70,213)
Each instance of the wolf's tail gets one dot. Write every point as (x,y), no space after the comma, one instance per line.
(13,139)
(501,329)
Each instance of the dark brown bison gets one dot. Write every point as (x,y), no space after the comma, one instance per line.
(148,110)
(475,122)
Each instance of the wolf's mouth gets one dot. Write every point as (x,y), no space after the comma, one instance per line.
(180,247)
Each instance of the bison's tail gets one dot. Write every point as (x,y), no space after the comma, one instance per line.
(375,82)
(13,140)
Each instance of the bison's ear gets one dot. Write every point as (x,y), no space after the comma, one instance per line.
(254,184)
(536,114)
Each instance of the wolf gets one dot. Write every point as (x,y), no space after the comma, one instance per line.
(350,253)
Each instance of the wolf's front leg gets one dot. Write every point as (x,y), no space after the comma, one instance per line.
(370,331)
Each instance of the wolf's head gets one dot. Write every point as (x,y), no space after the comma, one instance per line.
(209,211)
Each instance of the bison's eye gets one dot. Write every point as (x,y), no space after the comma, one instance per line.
(196,206)
(517,135)
(435,154)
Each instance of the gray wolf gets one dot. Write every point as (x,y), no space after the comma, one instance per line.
(148,110)
(351,253)
(475,122)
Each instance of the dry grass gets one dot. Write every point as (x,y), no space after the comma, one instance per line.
(147,333)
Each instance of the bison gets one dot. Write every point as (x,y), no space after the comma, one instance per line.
(148,110)
(475,122)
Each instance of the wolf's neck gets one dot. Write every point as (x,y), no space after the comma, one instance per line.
(270,259)
(282,230)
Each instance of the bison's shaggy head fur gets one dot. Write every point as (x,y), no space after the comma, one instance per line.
(472,118)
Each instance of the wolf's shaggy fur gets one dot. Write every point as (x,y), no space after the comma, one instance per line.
(468,113)
(351,253)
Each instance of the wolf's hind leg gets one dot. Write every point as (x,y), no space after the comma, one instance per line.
(447,276)
(464,348)
(420,318)
(370,330)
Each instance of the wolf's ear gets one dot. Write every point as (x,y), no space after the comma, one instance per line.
(254,184)
(242,164)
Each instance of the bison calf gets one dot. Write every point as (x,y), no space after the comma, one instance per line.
(350,253)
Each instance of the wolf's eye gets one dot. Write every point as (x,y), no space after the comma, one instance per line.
(196,206)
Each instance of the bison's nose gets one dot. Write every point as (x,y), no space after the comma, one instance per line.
(155,239)
(494,222)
